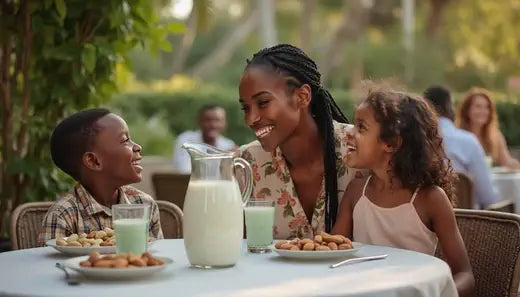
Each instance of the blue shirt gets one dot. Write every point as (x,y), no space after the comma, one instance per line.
(467,156)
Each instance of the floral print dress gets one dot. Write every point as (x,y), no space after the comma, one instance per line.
(272,181)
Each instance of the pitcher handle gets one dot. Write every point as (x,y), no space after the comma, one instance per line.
(246,194)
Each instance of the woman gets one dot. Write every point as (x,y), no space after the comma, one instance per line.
(299,158)
(477,114)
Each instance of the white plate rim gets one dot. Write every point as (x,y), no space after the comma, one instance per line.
(80,250)
(317,254)
(85,250)
(115,273)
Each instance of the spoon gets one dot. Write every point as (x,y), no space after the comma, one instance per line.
(70,280)
(358,260)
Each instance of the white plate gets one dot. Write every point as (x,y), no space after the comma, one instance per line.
(81,251)
(318,255)
(115,273)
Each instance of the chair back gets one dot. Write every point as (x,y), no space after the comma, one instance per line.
(171,187)
(171,219)
(26,221)
(492,240)
(502,206)
(465,194)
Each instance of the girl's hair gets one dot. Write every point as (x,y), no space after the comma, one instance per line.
(298,69)
(488,134)
(411,127)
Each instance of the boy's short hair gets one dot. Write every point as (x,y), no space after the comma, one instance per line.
(72,137)
(440,98)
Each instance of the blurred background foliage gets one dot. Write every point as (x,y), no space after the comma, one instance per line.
(460,44)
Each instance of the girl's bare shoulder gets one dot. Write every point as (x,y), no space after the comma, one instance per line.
(433,199)
(355,188)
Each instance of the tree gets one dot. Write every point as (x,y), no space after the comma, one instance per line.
(57,57)
(197,22)
(225,49)
(307,10)
(485,34)
(352,26)
(435,13)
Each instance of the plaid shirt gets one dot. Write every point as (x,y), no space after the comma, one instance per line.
(78,212)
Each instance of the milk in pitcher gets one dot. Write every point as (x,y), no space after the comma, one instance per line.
(213,222)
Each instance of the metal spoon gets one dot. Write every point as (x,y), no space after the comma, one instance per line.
(358,260)
(70,280)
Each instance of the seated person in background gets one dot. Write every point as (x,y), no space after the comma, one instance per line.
(406,202)
(212,121)
(462,147)
(93,146)
(477,114)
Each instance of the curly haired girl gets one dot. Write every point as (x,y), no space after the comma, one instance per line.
(406,202)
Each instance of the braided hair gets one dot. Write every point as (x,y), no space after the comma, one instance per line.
(293,64)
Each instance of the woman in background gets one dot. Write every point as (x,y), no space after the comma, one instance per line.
(478,114)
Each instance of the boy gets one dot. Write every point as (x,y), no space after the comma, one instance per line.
(93,146)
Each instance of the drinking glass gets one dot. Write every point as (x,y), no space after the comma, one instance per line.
(130,223)
(259,225)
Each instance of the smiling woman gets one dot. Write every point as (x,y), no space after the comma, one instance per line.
(299,158)
(478,115)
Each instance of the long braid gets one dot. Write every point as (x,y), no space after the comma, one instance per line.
(290,61)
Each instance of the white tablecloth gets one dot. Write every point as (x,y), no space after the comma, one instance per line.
(404,273)
(508,186)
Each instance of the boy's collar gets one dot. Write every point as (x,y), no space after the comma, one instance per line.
(92,206)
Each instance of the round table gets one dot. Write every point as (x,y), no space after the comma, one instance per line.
(403,273)
(508,186)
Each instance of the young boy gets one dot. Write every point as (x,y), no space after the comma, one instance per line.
(93,146)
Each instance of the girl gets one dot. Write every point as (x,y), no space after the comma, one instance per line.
(477,114)
(299,158)
(406,201)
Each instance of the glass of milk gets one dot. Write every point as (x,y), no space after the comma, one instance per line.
(259,225)
(130,222)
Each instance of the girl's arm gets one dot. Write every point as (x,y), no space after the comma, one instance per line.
(445,226)
(344,221)
(504,157)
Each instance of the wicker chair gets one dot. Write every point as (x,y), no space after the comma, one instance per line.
(171,187)
(465,195)
(502,206)
(171,219)
(492,240)
(26,221)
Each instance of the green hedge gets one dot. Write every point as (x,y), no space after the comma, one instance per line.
(178,111)
(509,117)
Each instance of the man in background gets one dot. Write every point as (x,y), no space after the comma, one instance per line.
(211,122)
(462,147)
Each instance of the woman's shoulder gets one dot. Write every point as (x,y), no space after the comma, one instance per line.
(341,135)
(341,128)
(253,152)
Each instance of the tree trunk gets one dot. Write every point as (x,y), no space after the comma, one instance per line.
(267,23)
(352,25)
(7,122)
(20,180)
(186,43)
(305,23)
(435,16)
(225,49)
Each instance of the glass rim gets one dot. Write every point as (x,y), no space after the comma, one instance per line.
(254,203)
(130,206)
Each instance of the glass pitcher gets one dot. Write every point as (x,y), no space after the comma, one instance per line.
(213,222)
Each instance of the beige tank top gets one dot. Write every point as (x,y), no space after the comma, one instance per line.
(399,226)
